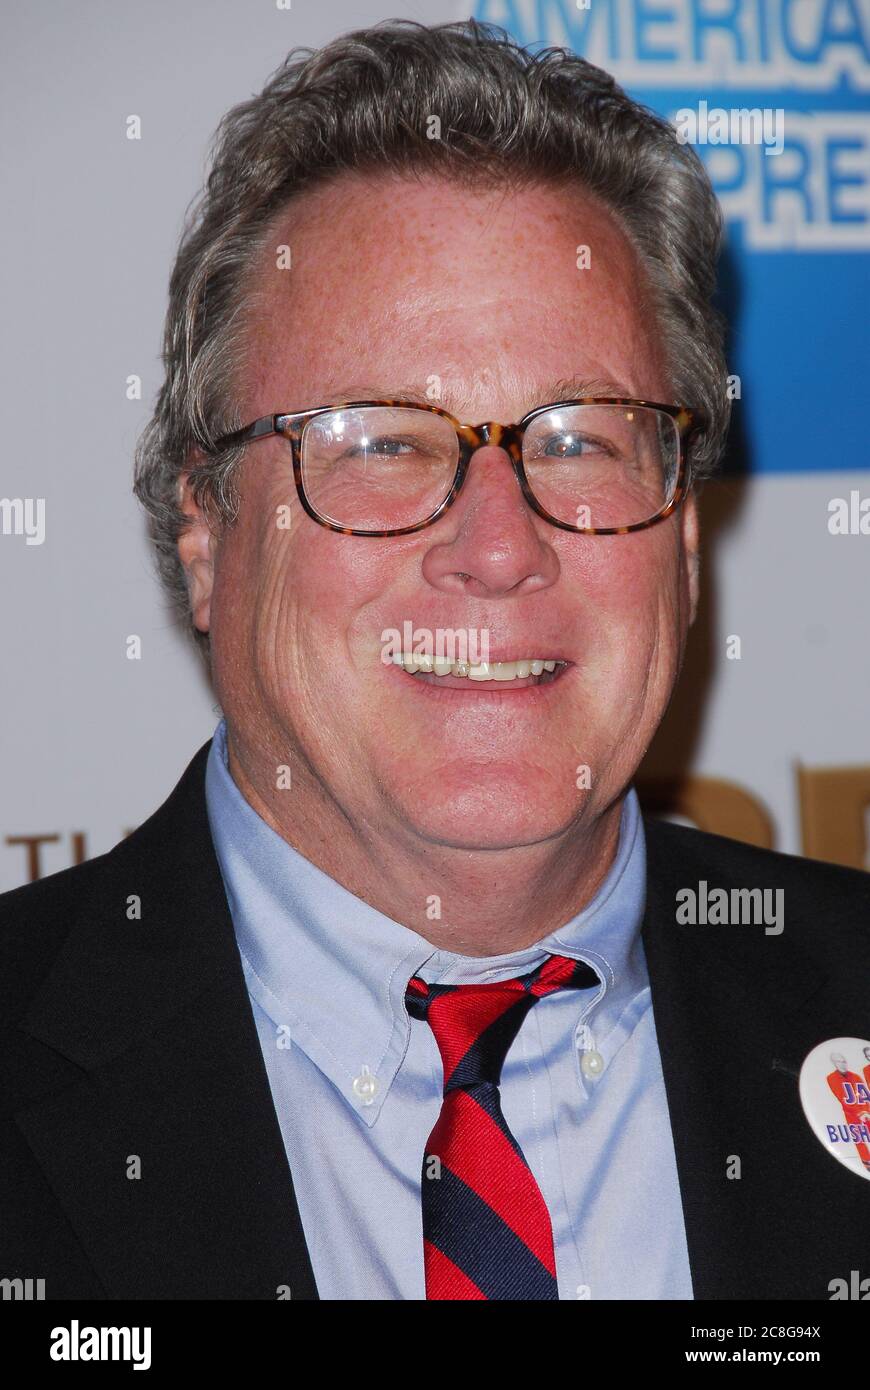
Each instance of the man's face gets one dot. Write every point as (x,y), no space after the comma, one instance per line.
(395,282)
(839,1061)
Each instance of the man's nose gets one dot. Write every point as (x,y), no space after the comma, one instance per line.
(490,542)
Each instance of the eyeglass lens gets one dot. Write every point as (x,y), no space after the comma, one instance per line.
(385,467)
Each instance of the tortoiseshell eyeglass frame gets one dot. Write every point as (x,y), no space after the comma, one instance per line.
(472,437)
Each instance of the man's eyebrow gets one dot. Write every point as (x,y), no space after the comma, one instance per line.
(339,394)
(565,388)
(568,387)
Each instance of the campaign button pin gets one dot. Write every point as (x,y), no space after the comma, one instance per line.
(835,1095)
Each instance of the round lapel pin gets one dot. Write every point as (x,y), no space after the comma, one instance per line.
(835,1095)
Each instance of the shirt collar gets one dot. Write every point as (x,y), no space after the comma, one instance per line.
(331,971)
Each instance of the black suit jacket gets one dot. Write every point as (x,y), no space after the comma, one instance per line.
(135,1038)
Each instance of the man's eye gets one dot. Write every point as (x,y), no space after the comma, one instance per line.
(564,446)
(384,447)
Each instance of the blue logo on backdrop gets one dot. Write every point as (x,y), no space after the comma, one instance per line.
(719,70)
(809,44)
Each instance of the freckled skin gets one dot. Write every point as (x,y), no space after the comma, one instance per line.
(396,795)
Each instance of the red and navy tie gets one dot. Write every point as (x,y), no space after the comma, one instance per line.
(486,1228)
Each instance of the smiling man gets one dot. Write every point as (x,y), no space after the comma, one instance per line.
(409,784)
(402,1009)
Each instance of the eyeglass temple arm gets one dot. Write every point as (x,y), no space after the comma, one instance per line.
(260,429)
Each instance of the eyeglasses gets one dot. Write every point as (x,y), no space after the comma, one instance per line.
(596,465)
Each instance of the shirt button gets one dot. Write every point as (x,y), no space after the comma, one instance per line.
(592,1063)
(365,1086)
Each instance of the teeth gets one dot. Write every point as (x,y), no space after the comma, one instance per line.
(481,671)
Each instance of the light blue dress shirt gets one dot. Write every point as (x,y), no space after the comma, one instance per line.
(357,1084)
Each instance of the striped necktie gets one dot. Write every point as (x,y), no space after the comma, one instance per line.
(486,1228)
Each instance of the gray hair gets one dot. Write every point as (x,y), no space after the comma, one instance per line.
(363,102)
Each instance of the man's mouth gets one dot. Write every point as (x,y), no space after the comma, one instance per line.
(460,675)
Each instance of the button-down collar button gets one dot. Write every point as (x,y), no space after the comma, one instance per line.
(365,1086)
(592,1064)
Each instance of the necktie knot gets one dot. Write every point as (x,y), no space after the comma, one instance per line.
(474,1025)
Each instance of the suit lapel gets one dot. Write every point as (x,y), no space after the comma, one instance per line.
(165,1151)
(736,1012)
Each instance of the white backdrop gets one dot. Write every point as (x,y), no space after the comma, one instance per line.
(92,742)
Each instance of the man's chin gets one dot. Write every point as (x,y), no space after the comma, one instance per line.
(488,814)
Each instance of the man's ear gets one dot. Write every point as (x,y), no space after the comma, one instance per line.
(196,547)
(692,550)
